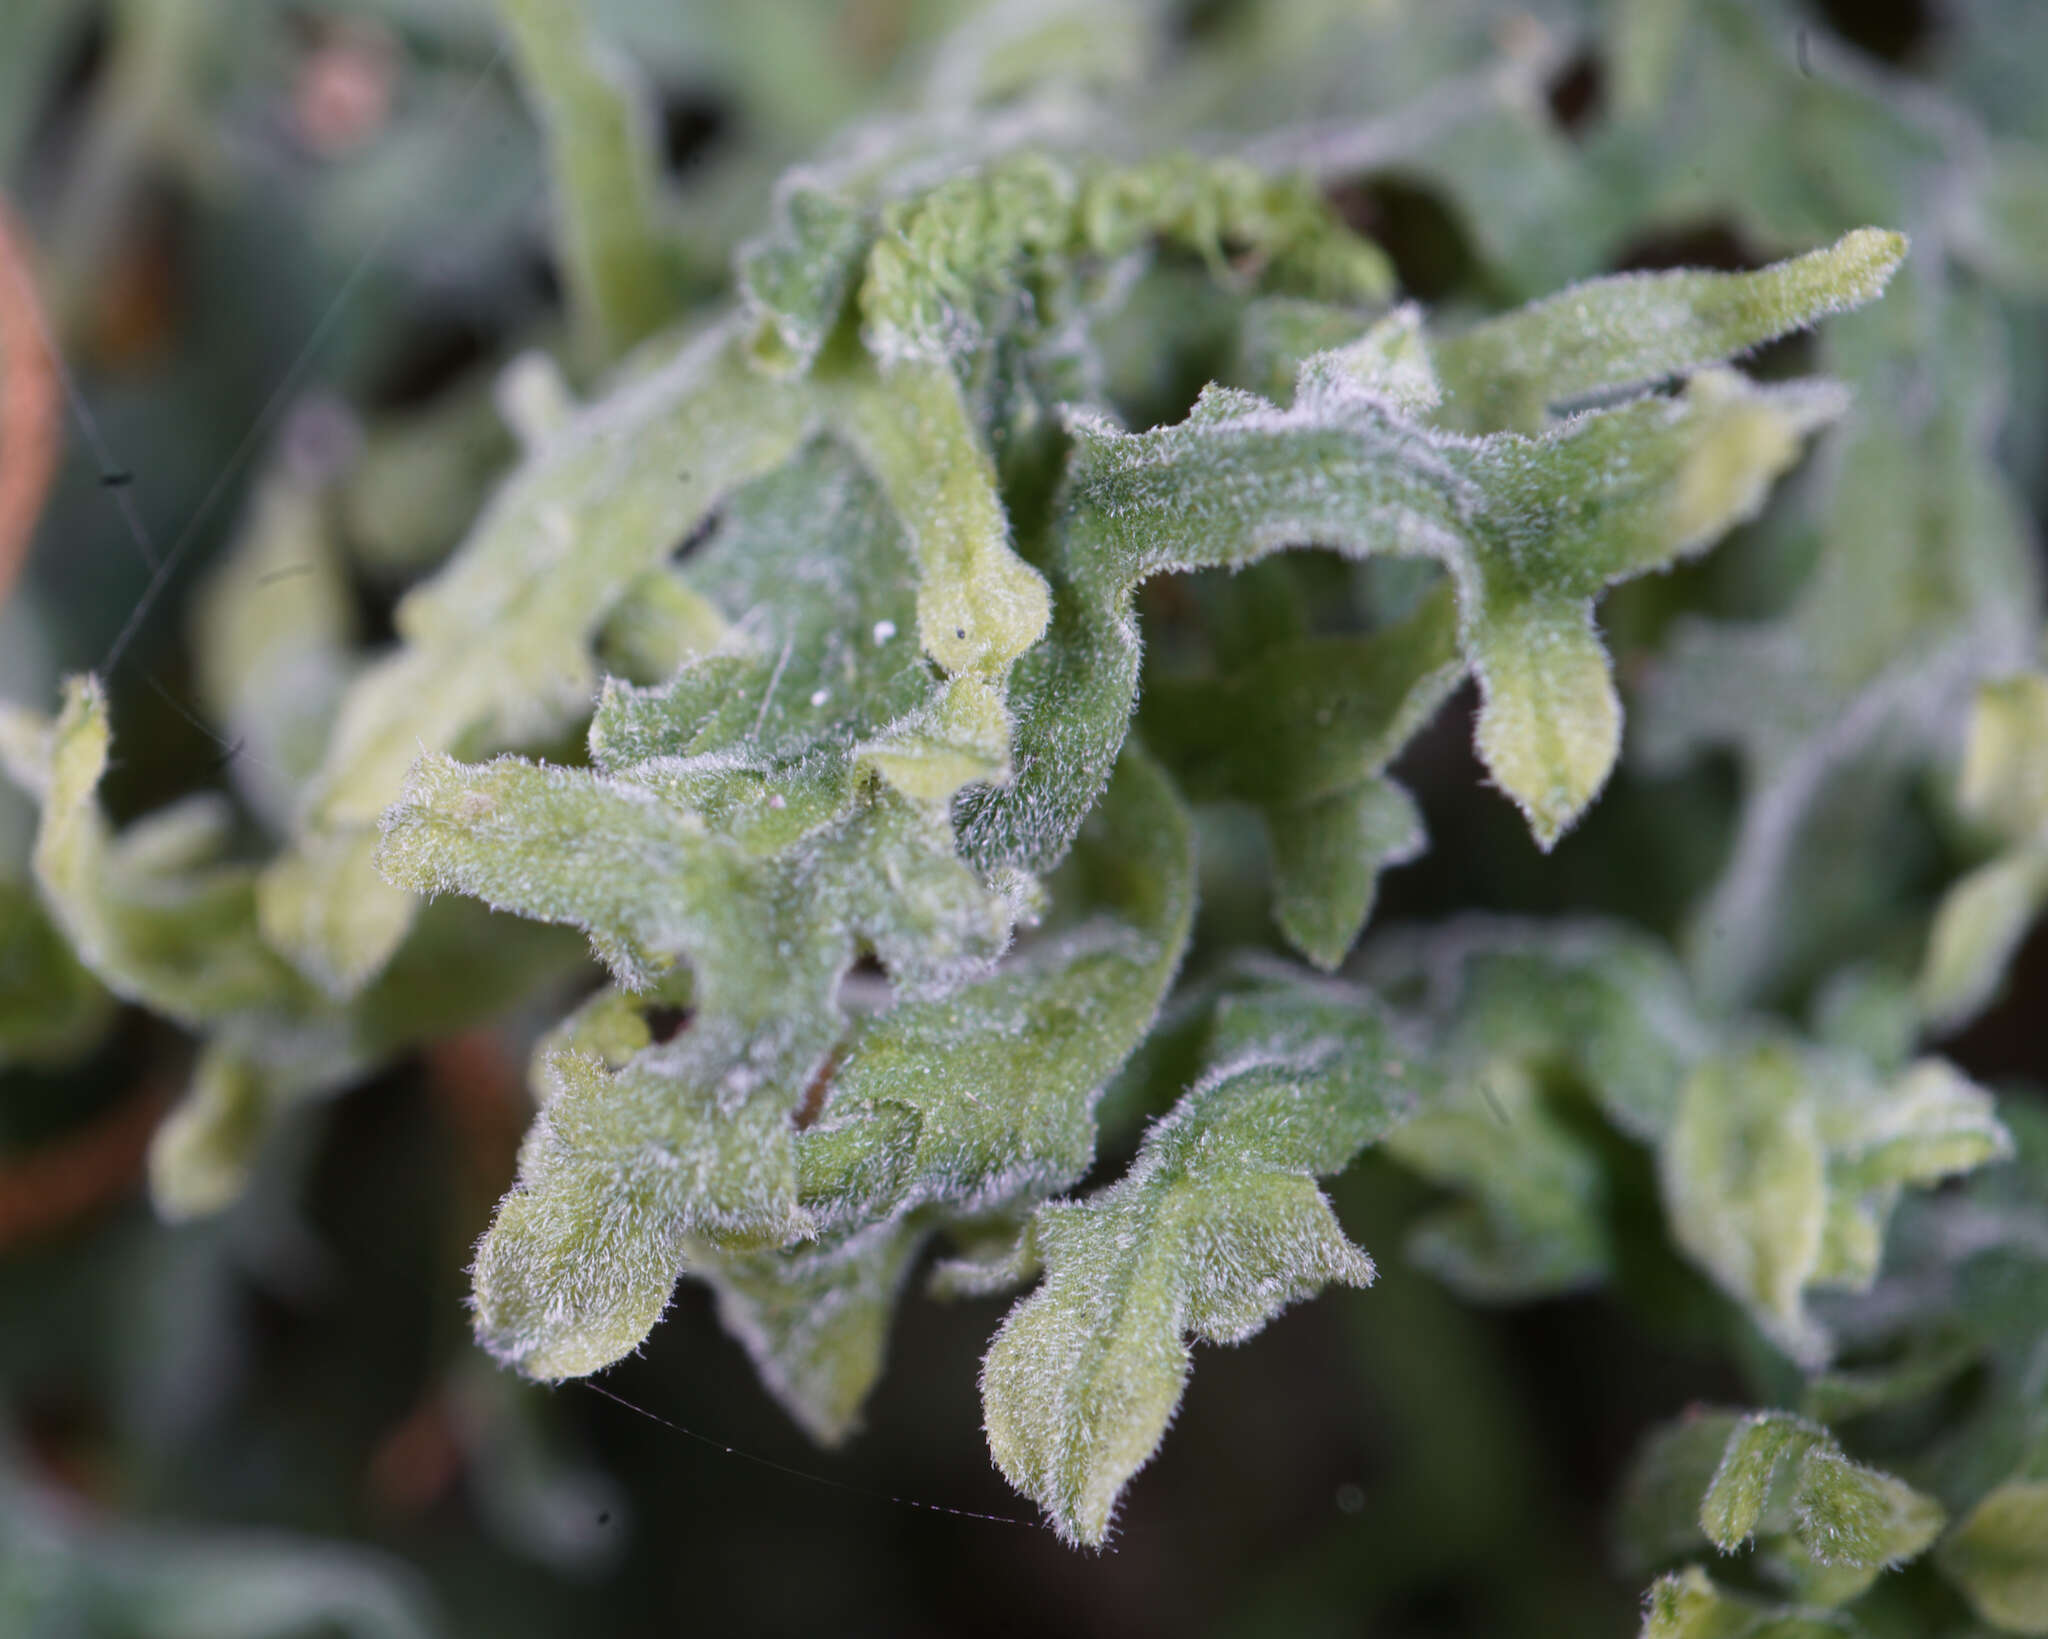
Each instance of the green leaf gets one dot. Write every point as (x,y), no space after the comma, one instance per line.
(816,1323)
(623,280)
(52,1010)
(996,1083)
(1759,1446)
(1998,1555)
(160,923)
(1922,584)
(977,1105)
(1630,331)
(1688,1605)
(796,279)
(1779,1473)
(497,645)
(1853,1516)
(1983,917)
(1657,1514)
(1531,530)
(1215,1228)
(979,605)
(273,628)
(1745,1179)
(1302,728)
(154,922)
(2004,777)
(1518,1014)
(1532,1224)
(733,821)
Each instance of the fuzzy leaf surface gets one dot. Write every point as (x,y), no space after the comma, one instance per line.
(1217,1226)
(731,822)
(976,1105)
(1531,531)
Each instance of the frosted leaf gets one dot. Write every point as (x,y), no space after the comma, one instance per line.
(1216,1227)
(816,1323)
(796,279)
(1780,1163)
(497,645)
(1745,1180)
(145,911)
(1602,998)
(1760,1445)
(1509,1007)
(734,823)
(1632,330)
(941,260)
(1831,1524)
(2003,201)
(969,1107)
(2004,777)
(1856,1517)
(979,605)
(1303,728)
(1531,530)
(997,1081)
(1656,1516)
(272,631)
(1922,587)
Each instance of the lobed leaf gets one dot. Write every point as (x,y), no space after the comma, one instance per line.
(1215,1228)
(1919,589)
(1530,529)
(1745,1187)
(496,645)
(966,1108)
(733,822)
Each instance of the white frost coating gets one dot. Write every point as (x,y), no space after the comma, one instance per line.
(1217,1226)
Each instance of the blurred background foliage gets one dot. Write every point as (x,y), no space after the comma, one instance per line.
(284,248)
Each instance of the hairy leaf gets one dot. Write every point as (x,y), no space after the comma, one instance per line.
(1779,1473)
(1303,728)
(1216,1227)
(1530,529)
(1998,1555)
(970,1107)
(1610,335)
(732,821)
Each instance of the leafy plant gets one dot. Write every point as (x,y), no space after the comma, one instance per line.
(904,659)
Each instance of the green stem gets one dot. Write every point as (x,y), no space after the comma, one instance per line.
(619,272)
